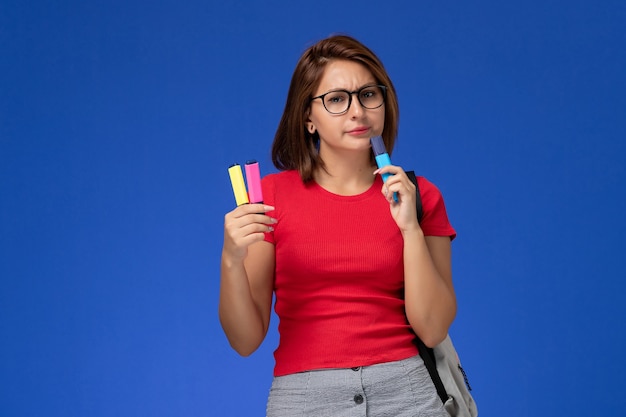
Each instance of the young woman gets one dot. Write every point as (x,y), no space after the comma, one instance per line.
(354,274)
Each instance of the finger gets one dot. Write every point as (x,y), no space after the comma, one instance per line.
(389,169)
(402,189)
(253,238)
(246,209)
(249,215)
(256,228)
(239,226)
(255,218)
(389,194)
(244,236)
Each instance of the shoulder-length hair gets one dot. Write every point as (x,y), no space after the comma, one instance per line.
(294,147)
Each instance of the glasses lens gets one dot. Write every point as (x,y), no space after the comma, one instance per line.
(337,101)
(372,97)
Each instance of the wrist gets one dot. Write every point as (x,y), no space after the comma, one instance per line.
(413,231)
(230,260)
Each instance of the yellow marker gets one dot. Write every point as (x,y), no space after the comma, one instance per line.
(239,187)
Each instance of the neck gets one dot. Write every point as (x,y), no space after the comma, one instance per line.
(346,176)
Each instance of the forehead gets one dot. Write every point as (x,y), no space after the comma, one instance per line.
(344,74)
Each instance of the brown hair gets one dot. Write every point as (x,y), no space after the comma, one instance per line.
(294,147)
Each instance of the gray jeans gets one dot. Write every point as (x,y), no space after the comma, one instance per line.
(396,389)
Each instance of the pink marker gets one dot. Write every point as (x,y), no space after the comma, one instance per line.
(253,178)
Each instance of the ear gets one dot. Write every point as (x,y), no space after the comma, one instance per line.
(310,127)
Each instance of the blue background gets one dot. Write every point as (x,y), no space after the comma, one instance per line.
(118,120)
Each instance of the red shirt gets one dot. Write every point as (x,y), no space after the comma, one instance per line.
(339,280)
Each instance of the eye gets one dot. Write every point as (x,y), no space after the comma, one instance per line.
(369,92)
(336,97)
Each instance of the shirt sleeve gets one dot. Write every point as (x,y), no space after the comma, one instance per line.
(435,219)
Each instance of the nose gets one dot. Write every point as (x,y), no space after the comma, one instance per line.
(356,108)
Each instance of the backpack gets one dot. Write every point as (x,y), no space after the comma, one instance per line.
(442,361)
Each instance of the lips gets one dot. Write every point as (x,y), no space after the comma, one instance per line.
(359,130)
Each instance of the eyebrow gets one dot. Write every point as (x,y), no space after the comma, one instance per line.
(370,84)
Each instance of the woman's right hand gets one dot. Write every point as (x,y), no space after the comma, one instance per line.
(244,226)
(246,277)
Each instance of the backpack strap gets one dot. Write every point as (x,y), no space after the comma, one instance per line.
(418,200)
(427,354)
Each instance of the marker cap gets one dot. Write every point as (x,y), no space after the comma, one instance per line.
(253,179)
(239,187)
(378,146)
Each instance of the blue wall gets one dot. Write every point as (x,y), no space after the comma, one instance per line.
(118,121)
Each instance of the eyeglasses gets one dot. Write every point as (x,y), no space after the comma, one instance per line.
(339,101)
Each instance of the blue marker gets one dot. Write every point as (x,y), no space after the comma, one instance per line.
(382,158)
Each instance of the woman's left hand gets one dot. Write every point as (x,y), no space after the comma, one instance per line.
(403,211)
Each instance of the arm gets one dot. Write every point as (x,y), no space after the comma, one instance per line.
(247,278)
(430,302)
(429,294)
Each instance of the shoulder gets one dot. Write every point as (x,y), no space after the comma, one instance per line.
(429,192)
(435,221)
(282,183)
(283,177)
